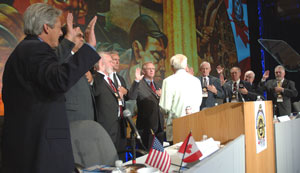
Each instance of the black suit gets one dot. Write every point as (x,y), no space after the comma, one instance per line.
(149,114)
(107,111)
(227,87)
(36,134)
(283,108)
(211,100)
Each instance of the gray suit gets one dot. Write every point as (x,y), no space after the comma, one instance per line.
(283,108)
(79,98)
(149,114)
(211,100)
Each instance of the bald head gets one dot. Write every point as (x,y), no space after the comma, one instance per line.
(249,76)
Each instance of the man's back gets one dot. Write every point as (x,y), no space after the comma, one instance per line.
(179,91)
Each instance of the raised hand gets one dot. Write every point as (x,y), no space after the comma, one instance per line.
(71,32)
(89,33)
(266,75)
(138,75)
(220,69)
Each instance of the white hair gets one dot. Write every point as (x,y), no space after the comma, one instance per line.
(250,72)
(179,61)
(280,66)
(38,14)
(204,62)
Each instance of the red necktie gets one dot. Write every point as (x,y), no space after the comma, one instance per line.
(115,90)
(152,87)
(111,85)
(234,87)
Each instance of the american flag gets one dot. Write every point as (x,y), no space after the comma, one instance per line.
(158,157)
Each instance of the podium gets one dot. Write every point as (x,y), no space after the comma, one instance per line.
(225,123)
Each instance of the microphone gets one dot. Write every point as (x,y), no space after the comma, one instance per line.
(127,115)
(241,86)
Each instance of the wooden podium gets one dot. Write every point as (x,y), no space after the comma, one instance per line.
(225,123)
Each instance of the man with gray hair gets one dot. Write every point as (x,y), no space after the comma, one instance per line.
(181,93)
(211,87)
(279,90)
(36,136)
(109,102)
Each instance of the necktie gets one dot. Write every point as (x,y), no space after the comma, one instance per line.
(234,87)
(204,82)
(152,87)
(116,80)
(279,83)
(111,84)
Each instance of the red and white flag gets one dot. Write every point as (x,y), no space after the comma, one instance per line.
(192,153)
(158,157)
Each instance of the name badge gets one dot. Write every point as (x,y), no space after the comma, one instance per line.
(234,98)
(204,92)
(279,98)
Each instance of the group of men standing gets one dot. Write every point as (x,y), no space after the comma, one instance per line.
(46,85)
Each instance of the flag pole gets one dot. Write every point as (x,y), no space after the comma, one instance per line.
(184,151)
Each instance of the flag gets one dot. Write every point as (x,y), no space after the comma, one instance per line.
(158,157)
(192,153)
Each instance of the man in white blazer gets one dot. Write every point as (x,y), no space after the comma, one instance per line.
(181,93)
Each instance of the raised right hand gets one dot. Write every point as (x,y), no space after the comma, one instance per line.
(138,75)
(89,33)
(266,75)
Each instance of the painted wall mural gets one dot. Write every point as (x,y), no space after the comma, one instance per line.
(147,30)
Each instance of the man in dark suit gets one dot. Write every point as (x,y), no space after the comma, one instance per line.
(120,84)
(279,90)
(79,98)
(211,87)
(109,102)
(146,92)
(36,136)
(237,90)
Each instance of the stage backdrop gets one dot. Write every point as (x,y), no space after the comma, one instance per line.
(149,30)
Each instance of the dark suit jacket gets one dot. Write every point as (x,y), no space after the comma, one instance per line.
(79,98)
(149,114)
(283,108)
(36,134)
(210,101)
(227,87)
(107,107)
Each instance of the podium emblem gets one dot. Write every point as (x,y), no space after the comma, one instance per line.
(261,127)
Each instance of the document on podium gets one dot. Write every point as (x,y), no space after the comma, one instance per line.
(283,53)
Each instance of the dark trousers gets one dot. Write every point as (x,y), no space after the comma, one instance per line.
(147,137)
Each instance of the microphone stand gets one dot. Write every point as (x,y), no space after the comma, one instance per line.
(243,100)
(133,143)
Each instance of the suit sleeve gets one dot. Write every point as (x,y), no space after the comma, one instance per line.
(133,92)
(63,51)
(290,90)
(218,86)
(124,85)
(45,69)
